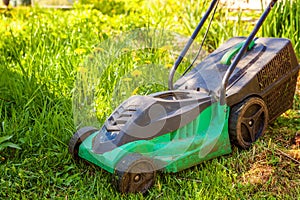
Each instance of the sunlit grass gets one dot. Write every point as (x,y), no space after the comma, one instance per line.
(284,22)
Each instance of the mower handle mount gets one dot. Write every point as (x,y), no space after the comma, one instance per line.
(189,43)
(237,58)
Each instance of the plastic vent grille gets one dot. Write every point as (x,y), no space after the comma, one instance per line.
(119,118)
(281,98)
(279,66)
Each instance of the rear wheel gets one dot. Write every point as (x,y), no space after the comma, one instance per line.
(248,121)
(78,138)
(135,173)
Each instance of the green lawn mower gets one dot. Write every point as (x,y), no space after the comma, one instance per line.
(230,96)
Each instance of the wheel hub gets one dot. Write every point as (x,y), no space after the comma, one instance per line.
(251,122)
(137,177)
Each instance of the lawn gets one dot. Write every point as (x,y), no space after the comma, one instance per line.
(44,60)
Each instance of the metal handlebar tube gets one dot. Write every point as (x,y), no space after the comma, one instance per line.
(242,52)
(189,43)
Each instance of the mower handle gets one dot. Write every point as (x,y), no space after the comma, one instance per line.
(242,52)
(189,43)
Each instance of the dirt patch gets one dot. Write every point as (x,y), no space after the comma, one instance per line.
(258,174)
(296,141)
(294,154)
(298,85)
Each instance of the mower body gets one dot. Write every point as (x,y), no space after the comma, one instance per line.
(175,134)
(269,71)
(183,127)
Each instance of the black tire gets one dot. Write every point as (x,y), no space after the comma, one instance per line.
(248,121)
(77,139)
(135,173)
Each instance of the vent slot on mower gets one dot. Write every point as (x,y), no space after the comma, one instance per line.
(279,66)
(119,119)
(279,90)
(281,97)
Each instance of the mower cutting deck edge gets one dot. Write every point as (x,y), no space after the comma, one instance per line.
(231,95)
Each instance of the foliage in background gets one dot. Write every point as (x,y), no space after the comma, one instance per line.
(111,8)
(41,53)
(284,22)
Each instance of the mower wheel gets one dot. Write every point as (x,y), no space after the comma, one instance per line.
(248,121)
(135,173)
(77,139)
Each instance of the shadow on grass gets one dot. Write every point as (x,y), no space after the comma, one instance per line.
(36,117)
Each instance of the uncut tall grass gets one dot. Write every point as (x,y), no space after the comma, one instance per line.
(284,21)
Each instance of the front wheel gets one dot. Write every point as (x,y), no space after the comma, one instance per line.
(248,121)
(135,173)
(78,138)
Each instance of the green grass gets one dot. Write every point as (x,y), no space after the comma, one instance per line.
(284,22)
(41,54)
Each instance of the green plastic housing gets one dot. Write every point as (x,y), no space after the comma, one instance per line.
(204,138)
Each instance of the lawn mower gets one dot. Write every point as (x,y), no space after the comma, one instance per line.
(230,97)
